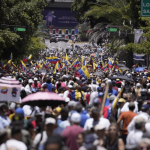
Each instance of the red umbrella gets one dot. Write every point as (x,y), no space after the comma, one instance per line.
(43,99)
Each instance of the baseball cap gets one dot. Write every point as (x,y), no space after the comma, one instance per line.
(99,88)
(138,84)
(76,117)
(94,82)
(145,107)
(121,100)
(17,118)
(96,100)
(50,121)
(99,127)
(100,94)
(30,81)
(131,104)
(20,111)
(89,141)
(35,79)
(112,97)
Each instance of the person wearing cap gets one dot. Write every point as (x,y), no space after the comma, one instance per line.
(134,137)
(91,143)
(94,94)
(71,132)
(4,120)
(100,131)
(145,114)
(66,93)
(50,124)
(126,117)
(121,103)
(112,91)
(29,88)
(36,85)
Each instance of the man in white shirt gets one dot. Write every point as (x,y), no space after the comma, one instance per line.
(96,119)
(29,87)
(134,137)
(66,93)
(144,114)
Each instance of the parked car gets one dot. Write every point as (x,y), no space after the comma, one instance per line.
(53,39)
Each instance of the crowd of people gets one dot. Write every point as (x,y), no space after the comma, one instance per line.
(100,112)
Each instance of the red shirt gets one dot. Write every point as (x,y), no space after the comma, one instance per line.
(38,86)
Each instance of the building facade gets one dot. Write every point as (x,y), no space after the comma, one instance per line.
(60,20)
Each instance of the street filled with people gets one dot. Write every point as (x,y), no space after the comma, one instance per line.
(81,98)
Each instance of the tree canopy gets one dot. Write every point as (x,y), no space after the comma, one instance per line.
(25,13)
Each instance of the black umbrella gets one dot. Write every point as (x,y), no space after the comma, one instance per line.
(121,65)
(124,68)
(123,78)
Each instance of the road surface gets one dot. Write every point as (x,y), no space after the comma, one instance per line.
(62,45)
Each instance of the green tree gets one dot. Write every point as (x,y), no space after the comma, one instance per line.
(20,13)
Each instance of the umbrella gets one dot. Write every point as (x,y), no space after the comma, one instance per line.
(124,68)
(98,73)
(43,99)
(123,78)
(139,69)
(121,65)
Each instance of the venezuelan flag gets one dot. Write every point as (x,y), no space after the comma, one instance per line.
(75,64)
(119,71)
(14,65)
(84,72)
(53,59)
(105,67)
(110,64)
(67,60)
(24,68)
(28,58)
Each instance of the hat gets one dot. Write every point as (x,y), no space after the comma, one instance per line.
(89,141)
(145,107)
(20,79)
(131,104)
(94,82)
(17,118)
(35,79)
(121,100)
(58,109)
(30,81)
(99,88)
(20,111)
(72,103)
(76,117)
(112,97)
(69,86)
(99,127)
(140,120)
(50,121)
(138,84)
(100,94)
(96,100)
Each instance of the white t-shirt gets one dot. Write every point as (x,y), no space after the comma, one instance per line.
(134,138)
(64,124)
(89,123)
(10,144)
(29,111)
(38,138)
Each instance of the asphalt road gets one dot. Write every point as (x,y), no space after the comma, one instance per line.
(61,45)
